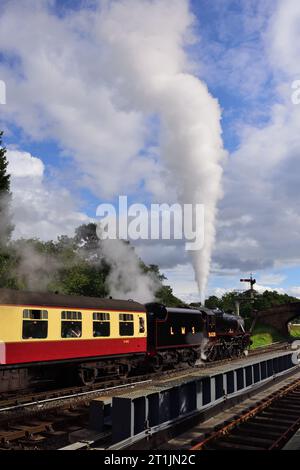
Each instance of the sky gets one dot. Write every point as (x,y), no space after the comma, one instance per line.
(84,117)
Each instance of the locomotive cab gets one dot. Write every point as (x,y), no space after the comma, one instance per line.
(209,319)
(175,335)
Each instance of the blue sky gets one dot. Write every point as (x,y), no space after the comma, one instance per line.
(70,121)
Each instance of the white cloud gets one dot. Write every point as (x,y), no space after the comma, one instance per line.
(40,209)
(272,279)
(24,165)
(283,37)
(261,178)
(182,279)
(95,79)
(294,291)
(262,288)
(57,90)
(234,57)
(65,83)
(259,217)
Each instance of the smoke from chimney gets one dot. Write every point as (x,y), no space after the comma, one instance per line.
(152,74)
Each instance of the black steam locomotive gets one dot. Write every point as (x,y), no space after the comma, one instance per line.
(177,335)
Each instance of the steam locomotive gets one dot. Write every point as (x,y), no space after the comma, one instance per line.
(50,337)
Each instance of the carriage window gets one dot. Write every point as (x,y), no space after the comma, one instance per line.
(101,324)
(71,315)
(141,325)
(35,324)
(101,316)
(126,324)
(71,326)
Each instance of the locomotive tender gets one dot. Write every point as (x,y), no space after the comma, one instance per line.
(49,337)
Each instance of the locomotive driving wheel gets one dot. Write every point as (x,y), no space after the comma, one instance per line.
(211,353)
(192,358)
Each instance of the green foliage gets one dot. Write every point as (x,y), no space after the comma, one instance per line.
(154,270)
(213,302)
(262,301)
(81,279)
(8,263)
(294,330)
(165,296)
(4,176)
(86,238)
(263,335)
(6,227)
(70,265)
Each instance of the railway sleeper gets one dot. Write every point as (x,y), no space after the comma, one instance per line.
(256,431)
(278,416)
(290,399)
(287,410)
(263,426)
(291,403)
(270,422)
(235,437)
(8,436)
(225,445)
(32,439)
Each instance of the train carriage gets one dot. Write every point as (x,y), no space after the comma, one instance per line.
(38,329)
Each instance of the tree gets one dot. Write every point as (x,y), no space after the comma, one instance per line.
(86,236)
(262,301)
(4,176)
(165,296)
(6,227)
(82,278)
(213,302)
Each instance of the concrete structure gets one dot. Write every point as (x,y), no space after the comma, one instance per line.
(279,316)
(141,412)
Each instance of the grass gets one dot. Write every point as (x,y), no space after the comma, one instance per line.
(295,331)
(264,335)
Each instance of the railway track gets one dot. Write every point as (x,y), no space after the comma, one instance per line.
(45,419)
(44,432)
(268,425)
(24,400)
(42,427)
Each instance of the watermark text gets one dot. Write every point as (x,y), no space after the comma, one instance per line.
(157,222)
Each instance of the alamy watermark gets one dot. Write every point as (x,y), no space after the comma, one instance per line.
(295,96)
(2,92)
(159,221)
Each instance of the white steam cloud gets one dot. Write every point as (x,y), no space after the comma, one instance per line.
(151,75)
(126,279)
(35,270)
(122,74)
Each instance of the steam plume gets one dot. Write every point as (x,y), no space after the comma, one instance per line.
(35,270)
(152,73)
(126,279)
